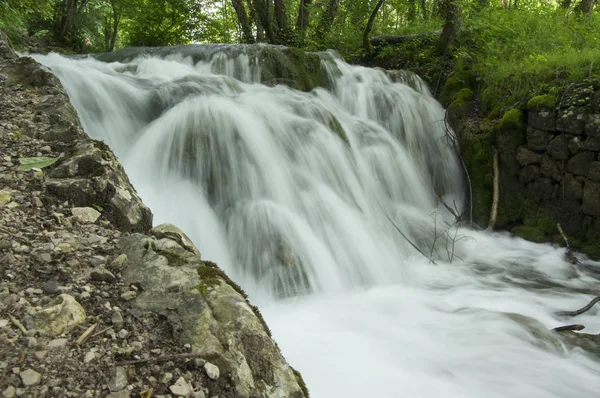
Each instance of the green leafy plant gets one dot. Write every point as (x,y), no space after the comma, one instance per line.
(35,163)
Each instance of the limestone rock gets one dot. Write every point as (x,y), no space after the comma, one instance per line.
(580,163)
(170,231)
(86,215)
(212,370)
(30,377)
(60,315)
(101,274)
(119,394)
(118,379)
(93,176)
(181,388)
(5,197)
(209,312)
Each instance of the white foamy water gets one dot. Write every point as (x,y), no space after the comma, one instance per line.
(292,194)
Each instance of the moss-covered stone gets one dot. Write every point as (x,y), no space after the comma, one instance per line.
(291,66)
(301,383)
(540,102)
(532,234)
(476,151)
(490,99)
(457,81)
(593,251)
(511,120)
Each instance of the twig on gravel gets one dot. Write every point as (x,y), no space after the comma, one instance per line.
(18,324)
(581,310)
(102,331)
(569,327)
(163,358)
(86,335)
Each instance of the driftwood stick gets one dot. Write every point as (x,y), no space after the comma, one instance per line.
(496,197)
(569,327)
(18,324)
(163,358)
(86,335)
(581,310)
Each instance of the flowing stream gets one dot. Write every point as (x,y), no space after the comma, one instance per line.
(312,201)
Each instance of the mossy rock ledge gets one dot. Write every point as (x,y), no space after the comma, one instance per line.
(211,313)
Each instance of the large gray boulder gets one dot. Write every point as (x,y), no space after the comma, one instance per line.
(92,177)
(211,313)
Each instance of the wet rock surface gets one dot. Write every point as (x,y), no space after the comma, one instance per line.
(73,321)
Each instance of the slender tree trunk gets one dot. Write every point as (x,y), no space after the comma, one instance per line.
(565,4)
(115,31)
(281,21)
(69,14)
(328,16)
(303,16)
(412,10)
(367,32)
(263,12)
(451,26)
(424,10)
(243,21)
(585,7)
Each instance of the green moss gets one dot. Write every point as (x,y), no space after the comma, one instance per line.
(211,275)
(546,101)
(457,81)
(475,147)
(101,145)
(593,251)
(490,99)
(546,225)
(458,108)
(511,120)
(301,383)
(532,234)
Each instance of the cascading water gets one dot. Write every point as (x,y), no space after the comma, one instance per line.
(312,201)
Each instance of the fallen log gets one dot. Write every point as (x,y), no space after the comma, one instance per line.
(397,39)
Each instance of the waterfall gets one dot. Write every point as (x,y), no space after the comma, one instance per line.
(315,200)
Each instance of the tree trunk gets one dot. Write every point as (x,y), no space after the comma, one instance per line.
(263,12)
(451,25)
(243,21)
(585,7)
(565,4)
(69,14)
(281,21)
(412,11)
(424,10)
(366,43)
(303,16)
(328,17)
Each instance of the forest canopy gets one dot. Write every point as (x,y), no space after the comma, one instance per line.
(346,25)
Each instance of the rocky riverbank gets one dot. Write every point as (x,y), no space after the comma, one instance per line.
(93,302)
